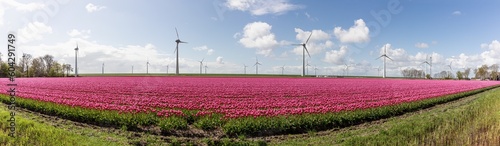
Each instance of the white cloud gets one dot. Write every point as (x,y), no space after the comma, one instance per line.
(262,7)
(456,13)
(318,43)
(33,31)
(93,8)
(492,55)
(422,45)
(258,35)
(23,7)
(79,33)
(337,57)
(358,33)
(204,48)
(219,60)
(20,7)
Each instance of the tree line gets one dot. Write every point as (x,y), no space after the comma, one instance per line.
(484,72)
(43,66)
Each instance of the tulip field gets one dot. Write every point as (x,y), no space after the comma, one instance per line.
(235,104)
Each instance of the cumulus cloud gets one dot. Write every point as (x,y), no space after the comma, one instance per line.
(337,57)
(422,45)
(93,8)
(492,55)
(204,48)
(358,33)
(258,35)
(262,7)
(79,33)
(456,13)
(23,7)
(318,42)
(33,31)
(219,60)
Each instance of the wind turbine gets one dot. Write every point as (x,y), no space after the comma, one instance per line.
(167,69)
(385,56)
(132,69)
(451,70)
(282,69)
(378,70)
(76,60)
(177,51)
(257,63)
(347,69)
(315,69)
(147,67)
(201,65)
(304,50)
(103,68)
(245,66)
(206,69)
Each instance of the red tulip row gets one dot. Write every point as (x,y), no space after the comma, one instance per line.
(234,97)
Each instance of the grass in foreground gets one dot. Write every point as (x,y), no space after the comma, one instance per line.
(29,132)
(471,121)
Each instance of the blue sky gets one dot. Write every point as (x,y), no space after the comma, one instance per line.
(230,33)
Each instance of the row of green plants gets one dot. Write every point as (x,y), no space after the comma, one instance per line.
(247,126)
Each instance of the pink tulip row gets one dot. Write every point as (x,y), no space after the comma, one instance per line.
(234,97)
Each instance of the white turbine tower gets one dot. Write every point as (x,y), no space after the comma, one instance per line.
(378,70)
(201,65)
(385,56)
(132,69)
(304,50)
(177,52)
(257,63)
(307,68)
(167,69)
(76,60)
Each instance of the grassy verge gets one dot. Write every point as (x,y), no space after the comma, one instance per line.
(29,132)
(469,122)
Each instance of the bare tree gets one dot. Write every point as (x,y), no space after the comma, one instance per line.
(466,73)
(494,71)
(49,61)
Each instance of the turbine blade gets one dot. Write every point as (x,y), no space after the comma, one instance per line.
(379,57)
(297,44)
(309,37)
(176,32)
(183,42)
(307,51)
(389,58)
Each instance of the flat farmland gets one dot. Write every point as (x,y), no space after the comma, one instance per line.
(233,106)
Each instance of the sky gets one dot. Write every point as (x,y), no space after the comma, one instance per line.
(229,34)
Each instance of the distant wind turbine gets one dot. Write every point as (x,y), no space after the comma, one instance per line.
(167,69)
(347,69)
(103,68)
(378,70)
(385,56)
(177,52)
(282,69)
(257,63)
(201,65)
(206,67)
(76,60)
(307,68)
(245,66)
(147,67)
(315,69)
(132,69)
(430,64)
(304,50)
